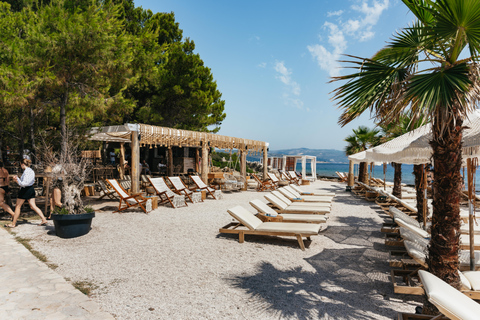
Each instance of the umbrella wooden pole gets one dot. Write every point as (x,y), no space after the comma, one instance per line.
(384,176)
(470,213)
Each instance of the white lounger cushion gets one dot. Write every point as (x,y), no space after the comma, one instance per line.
(245,217)
(402,215)
(451,302)
(314,218)
(289,192)
(414,237)
(297,228)
(416,251)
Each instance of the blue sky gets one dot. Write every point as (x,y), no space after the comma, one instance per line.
(272,60)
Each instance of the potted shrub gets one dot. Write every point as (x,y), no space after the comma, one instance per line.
(69,171)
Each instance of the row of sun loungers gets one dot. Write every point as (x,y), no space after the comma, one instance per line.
(280,216)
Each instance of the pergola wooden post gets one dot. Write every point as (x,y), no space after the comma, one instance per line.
(243,166)
(135,163)
(121,170)
(205,162)
(197,159)
(170,162)
(265,162)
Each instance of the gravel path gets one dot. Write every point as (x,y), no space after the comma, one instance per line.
(173,264)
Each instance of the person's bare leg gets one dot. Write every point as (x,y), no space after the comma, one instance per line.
(18,206)
(5,206)
(34,207)
(57,197)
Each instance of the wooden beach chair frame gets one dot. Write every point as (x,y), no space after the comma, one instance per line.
(125,197)
(263,185)
(180,187)
(273,178)
(294,177)
(202,186)
(164,193)
(249,224)
(107,192)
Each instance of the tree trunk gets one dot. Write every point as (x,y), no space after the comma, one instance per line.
(362,171)
(32,134)
(418,172)
(63,123)
(397,180)
(447,155)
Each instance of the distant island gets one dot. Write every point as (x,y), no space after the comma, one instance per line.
(323,155)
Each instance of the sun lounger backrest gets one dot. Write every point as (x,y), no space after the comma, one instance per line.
(245,217)
(199,182)
(422,233)
(397,214)
(277,202)
(118,188)
(293,175)
(473,278)
(451,302)
(413,236)
(416,251)
(296,188)
(160,185)
(262,207)
(177,183)
(281,197)
(293,192)
(272,177)
(407,205)
(287,193)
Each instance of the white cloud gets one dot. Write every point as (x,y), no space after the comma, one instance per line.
(292,87)
(334,13)
(354,29)
(262,65)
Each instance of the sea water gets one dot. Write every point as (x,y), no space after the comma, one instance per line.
(329,169)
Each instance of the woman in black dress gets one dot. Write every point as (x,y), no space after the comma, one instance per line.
(4,189)
(26,193)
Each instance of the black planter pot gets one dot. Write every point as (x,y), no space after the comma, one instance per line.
(72,225)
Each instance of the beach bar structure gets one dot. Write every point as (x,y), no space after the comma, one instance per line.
(289,163)
(154,136)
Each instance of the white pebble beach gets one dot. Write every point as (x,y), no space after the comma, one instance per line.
(174,263)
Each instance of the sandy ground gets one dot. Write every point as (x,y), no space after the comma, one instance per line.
(174,264)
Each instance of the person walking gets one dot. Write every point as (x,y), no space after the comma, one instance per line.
(26,193)
(4,188)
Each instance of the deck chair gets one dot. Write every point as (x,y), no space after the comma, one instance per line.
(165,194)
(304,193)
(181,188)
(130,200)
(286,177)
(202,186)
(281,207)
(273,178)
(294,177)
(263,185)
(266,214)
(293,196)
(250,224)
(342,176)
(106,191)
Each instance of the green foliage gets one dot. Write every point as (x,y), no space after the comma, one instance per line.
(61,210)
(89,209)
(362,139)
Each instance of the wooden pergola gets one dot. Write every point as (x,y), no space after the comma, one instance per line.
(147,135)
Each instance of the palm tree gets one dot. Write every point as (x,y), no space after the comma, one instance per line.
(362,139)
(421,70)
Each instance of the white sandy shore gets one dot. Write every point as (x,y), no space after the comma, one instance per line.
(173,264)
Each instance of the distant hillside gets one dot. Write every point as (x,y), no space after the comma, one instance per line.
(323,155)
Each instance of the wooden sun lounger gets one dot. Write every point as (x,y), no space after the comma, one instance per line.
(181,188)
(281,207)
(130,200)
(107,192)
(294,177)
(251,225)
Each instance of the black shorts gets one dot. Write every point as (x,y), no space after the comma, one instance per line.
(6,188)
(26,193)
